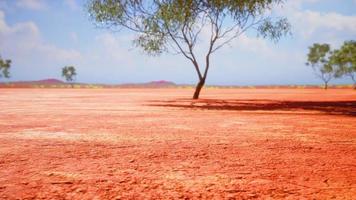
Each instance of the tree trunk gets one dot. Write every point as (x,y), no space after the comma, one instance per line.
(353,79)
(198,89)
(326,86)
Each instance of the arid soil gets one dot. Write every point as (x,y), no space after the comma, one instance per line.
(160,144)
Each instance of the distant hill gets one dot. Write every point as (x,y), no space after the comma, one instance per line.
(55,83)
(152,84)
(49,81)
(158,84)
(44,81)
(30,84)
(161,83)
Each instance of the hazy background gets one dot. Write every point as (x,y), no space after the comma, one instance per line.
(42,36)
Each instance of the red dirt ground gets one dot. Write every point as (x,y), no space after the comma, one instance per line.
(159,144)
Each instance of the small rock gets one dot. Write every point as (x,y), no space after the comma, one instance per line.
(252,195)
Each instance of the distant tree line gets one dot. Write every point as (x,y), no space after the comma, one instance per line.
(329,64)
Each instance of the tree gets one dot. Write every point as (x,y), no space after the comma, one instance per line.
(345,61)
(69,73)
(318,59)
(4,68)
(179,26)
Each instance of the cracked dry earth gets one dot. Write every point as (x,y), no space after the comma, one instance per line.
(160,144)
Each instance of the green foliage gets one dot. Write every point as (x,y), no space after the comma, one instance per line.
(69,73)
(179,25)
(318,59)
(4,68)
(275,30)
(158,21)
(318,55)
(107,11)
(344,59)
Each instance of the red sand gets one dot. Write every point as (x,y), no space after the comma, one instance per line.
(157,143)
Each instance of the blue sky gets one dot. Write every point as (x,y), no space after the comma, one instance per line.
(42,36)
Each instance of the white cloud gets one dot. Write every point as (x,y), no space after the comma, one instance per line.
(114,48)
(315,25)
(309,23)
(297,4)
(24,44)
(32,4)
(252,44)
(264,49)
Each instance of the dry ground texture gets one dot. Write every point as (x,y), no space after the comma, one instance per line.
(159,144)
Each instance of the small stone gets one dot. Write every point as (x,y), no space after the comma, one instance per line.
(252,195)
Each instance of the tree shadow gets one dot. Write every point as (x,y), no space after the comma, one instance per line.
(320,107)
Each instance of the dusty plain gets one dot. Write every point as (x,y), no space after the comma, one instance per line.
(160,144)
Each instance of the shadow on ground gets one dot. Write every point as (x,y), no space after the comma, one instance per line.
(326,107)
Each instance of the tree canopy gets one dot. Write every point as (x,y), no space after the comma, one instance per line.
(344,59)
(4,68)
(318,59)
(179,25)
(69,73)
